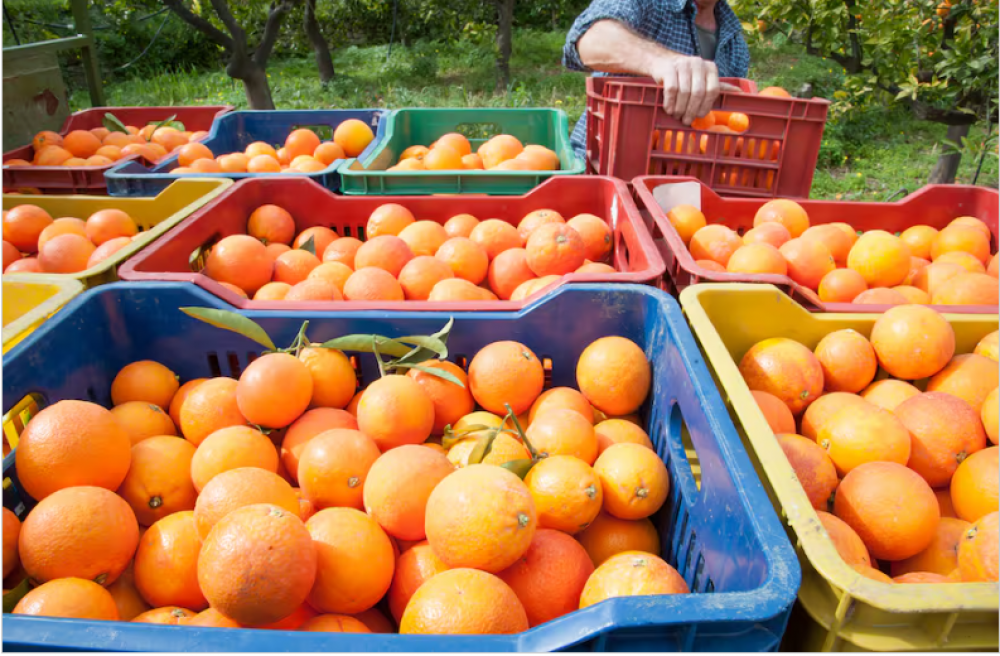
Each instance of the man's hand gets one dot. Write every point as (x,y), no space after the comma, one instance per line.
(690,86)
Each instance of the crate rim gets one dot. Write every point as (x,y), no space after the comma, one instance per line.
(799,512)
(67,287)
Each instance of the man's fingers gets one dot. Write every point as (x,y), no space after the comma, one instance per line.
(712,88)
(697,100)
(725,86)
(669,89)
(683,89)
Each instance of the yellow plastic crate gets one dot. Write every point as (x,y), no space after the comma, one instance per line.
(154,216)
(843,611)
(30,299)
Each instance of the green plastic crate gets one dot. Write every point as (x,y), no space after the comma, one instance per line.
(409,127)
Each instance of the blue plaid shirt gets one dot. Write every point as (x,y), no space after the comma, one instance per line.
(669,23)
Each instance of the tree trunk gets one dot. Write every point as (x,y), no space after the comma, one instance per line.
(946,167)
(505,23)
(324,62)
(254,79)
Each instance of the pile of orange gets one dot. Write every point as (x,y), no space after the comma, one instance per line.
(302,152)
(464,259)
(453,152)
(350,507)
(922,265)
(893,438)
(102,147)
(34,242)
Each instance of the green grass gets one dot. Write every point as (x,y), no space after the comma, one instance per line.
(869,153)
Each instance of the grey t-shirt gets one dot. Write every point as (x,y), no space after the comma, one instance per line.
(707,40)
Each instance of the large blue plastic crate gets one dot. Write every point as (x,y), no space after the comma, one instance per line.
(239,130)
(717,527)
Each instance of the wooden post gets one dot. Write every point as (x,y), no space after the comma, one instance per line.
(81,18)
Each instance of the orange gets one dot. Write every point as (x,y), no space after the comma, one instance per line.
(881,258)
(504,449)
(384,252)
(848,361)
(143,420)
(388,219)
(333,376)
(208,407)
(825,407)
(398,486)
(615,431)
(442,158)
(146,381)
(881,296)
(355,561)
(944,431)
(529,288)
(68,254)
(334,272)
(813,467)
(263,164)
(25,265)
(159,482)
(480,516)
(959,237)
(566,491)
(301,142)
(456,141)
(560,431)
(990,415)
(786,369)
(230,448)
(941,556)
(72,443)
(467,259)
(353,136)
(716,243)
(845,540)
(786,212)
(504,373)
(777,414)
(106,250)
(912,341)
(771,233)
(634,480)
(376,621)
(238,488)
(46,138)
(872,573)
(419,276)
(932,276)
(500,149)
(496,236)
(888,393)
(614,374)
(989,346)
(913,295)
(233,163)
(451,401)
(756,259)
(334,624)
(294,266)
(555,249)
(414,567)
(261,547)
(240,260)
(890,507)
(963,289)
(192,152)
(394,411)
(562,397)
(23,225)
(538,158)
(974,485)
(596,267)
(970,377)
(809,260)
(921,577)
(308,426)
(274,390)
(85,532)
(62,227)
(333,467)
(424,237)
(342,250)
(314,289)
(596,234)
(632,573)
(206,165)
(129,602)
(608,535)
(977,553)
(212,617)
(967,261)
(11,532)
(69,597)
(271,224)
(550,577)
(81,143)
(166,563)
(329,152)
(837,241)
(293,621)
(372,284)
(863,433)
(460,225)
(919,238)
(258,148)
(776,92)
(272,291)
(321,236)
(532,220)
(464,602)
(53,156)
(916,264)
(994,266)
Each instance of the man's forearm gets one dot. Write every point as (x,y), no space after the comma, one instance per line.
(610,47)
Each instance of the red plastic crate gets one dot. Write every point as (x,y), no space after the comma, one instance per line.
(629,134)
(179,255)
(90,179)
(933,205)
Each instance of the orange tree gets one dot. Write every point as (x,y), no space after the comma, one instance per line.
(937,57)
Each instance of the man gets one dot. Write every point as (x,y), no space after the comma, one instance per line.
(685,45)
